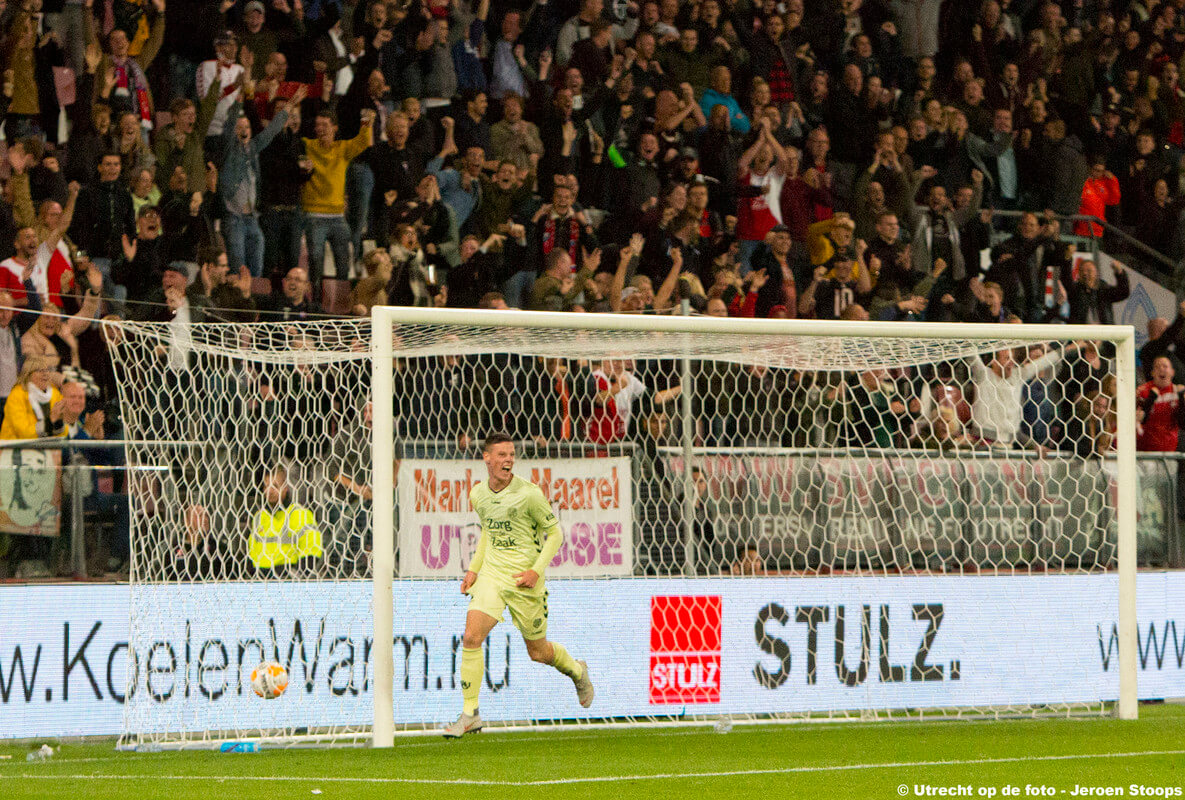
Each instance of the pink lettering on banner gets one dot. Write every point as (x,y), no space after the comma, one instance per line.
(609,534)
(583,549)
(436,495)
(834,482)
(438,530)
(931,480)
(586,545)
(579,493)
(440,558)
(1045,485)
(851,482)
(775,476)
(999,482)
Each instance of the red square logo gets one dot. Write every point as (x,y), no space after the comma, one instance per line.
(685,637)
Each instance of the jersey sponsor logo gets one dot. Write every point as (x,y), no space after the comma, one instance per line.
(685,648)
(498,524)
(503,542)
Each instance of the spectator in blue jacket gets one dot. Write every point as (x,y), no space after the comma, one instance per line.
(240,179)
(720,95)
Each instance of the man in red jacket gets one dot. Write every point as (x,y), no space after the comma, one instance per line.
(1160,409)
(1100,190)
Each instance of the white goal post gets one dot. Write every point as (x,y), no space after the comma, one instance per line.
(765,520)
(806,344)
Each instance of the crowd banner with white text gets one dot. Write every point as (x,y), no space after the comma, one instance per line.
(438,530)
(708,645)
(805,510)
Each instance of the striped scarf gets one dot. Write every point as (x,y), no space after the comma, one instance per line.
(549,240)
(130,79)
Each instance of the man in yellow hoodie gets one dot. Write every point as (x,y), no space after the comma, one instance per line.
(324,195)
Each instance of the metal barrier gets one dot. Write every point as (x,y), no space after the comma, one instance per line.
(1162,269)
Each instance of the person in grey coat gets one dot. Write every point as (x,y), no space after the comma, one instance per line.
(936,232)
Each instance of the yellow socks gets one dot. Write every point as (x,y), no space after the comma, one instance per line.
(472,669)
(563,661)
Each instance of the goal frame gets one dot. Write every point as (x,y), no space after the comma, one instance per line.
(384,318)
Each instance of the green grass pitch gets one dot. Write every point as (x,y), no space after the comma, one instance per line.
(1038,757)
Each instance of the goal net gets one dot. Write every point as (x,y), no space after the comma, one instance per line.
(764,519)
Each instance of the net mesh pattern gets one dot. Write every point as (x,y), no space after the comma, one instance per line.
(836,457)
(334,341)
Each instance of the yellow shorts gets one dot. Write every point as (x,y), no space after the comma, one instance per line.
(528,607)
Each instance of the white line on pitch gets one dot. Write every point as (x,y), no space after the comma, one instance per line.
(848,767)
(696,728)
(614,778)
(270,779)
(69,761)
(542,736)
(700,728)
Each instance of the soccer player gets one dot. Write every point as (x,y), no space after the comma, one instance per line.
(520,535)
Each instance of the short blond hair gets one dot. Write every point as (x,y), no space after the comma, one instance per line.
(34,364)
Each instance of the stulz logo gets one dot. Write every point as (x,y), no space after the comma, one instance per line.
(685,636)
(773,618)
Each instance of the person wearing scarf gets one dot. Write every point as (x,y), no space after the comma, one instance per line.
(560,225)
(34,406)
(411,277)
(125,86)
(33,411)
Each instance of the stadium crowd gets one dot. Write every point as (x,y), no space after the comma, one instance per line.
(207,160)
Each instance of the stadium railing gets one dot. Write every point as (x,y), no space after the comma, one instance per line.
(1146,260)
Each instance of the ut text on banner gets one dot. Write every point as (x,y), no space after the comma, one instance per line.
(439,531)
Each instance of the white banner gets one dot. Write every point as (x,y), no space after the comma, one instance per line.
(1148,299)
(439,531)
(718,645)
